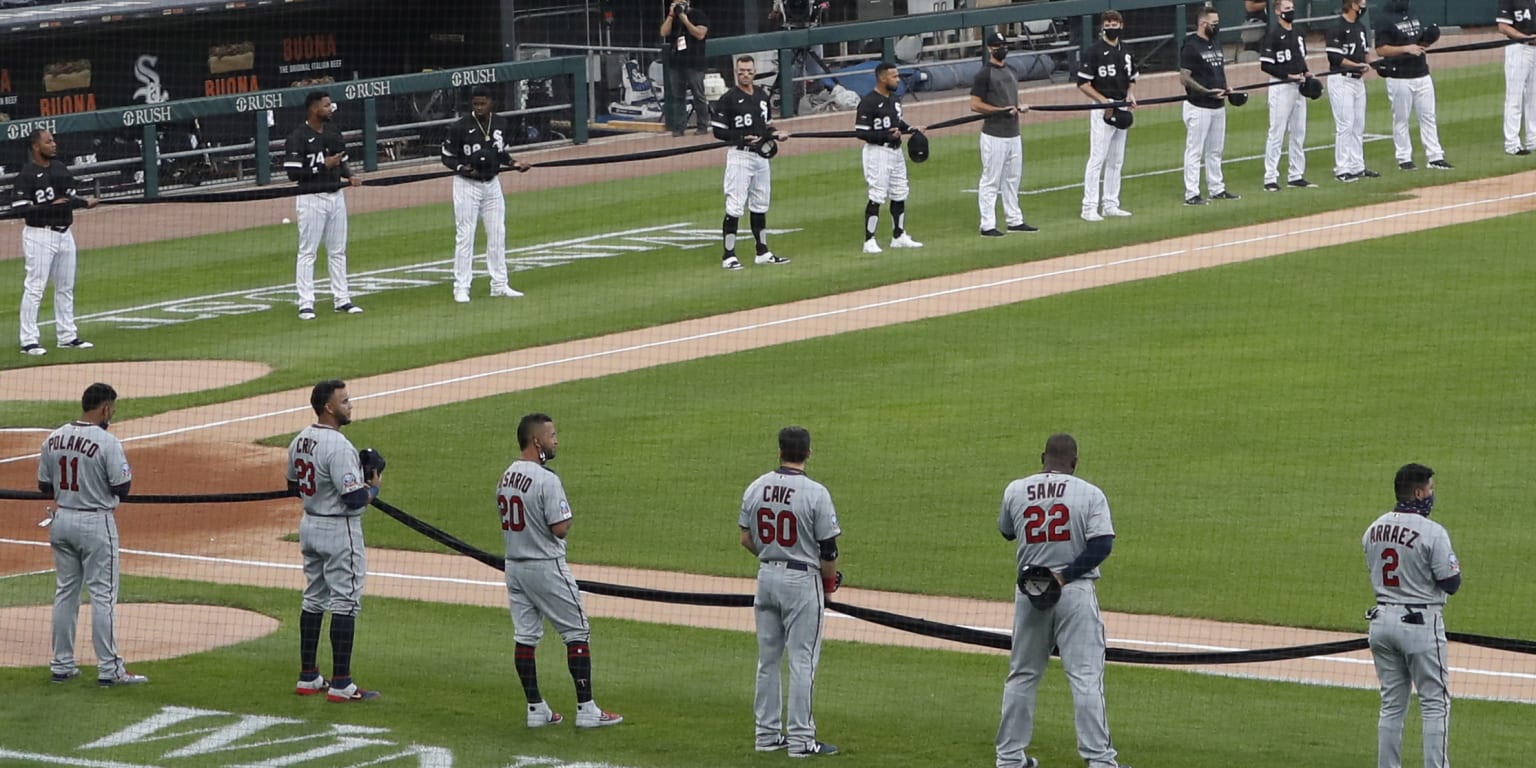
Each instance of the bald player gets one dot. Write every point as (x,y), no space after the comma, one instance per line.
(1413,570)
(82,466)
(787,521)
(535,519)
(324,472)
(1060,522)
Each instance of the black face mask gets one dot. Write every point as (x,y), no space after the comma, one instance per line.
(1111,34)
(1212,29)
(1288,16)
(1000,53)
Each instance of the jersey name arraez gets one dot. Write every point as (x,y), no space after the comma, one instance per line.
(1407,555)
(1052,516)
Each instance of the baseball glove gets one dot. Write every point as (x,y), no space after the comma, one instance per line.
(1237,98)
(372,462)
(1312,88)
(1039,584)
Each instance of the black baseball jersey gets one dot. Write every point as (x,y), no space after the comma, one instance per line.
(478,148)
(37,187)
(877,115)
(1109,68)
(1399,29)
(1347,41)
(307,150)
(1207,67)
(739,114)
(1520,14)
(1283,53)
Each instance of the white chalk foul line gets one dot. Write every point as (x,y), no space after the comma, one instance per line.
(824,314)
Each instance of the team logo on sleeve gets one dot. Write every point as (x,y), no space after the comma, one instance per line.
(350,483)
(565,510)
(1455,564)
(126,471)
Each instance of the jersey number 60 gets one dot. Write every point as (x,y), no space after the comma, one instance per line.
(776,527)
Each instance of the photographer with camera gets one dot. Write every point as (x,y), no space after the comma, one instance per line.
(684,28)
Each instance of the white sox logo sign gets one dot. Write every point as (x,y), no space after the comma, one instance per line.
(144,72)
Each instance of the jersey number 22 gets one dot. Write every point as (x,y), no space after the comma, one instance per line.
(1042,525)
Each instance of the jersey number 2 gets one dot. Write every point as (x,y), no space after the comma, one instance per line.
(1389,560)
(1042,525)
(69,473)
(305,472)
(512,516)
(777,527)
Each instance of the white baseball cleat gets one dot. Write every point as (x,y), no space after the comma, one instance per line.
(730,262)
(461,297)
(306,313)
(540,715)
(870,246)
(1092,216)
(589,715)
(350,309)
(311,687)
(35,350)
(905,241)
(506,292)
(126,678)
(769,258)
(1118,213)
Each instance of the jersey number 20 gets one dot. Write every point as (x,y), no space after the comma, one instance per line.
(777,527)
(1042,525)
(512,516)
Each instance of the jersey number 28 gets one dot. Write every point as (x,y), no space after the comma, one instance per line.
(512,516)
(777,527)
(1042,525)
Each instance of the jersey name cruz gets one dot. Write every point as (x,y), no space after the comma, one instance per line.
(516,480)
(1393,534)
(1040,491)
(305,445)
(74,443)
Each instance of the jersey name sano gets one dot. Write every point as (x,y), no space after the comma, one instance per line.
(1053,515)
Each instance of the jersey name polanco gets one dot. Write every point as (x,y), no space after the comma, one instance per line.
(530,499)
(1407,554)
(83,461)
(325,465)
(1053,515)
(788,515)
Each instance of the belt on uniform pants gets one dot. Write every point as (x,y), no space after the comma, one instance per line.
(59,229)
(790,564)
(1414,606)
(84,509)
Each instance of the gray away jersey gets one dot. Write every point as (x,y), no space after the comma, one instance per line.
(1053,515)
(530,499)
(83,462)
(788,514)
(1406,554)
(324,464)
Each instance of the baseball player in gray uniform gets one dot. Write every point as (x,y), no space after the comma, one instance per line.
(995,93)
(1062,523)
(317,160)
(82,466)
(44,193)
(742,117)
(324,472)
(1517,21)
(1347,55)
(880,125)
(476,148)
(1284,58)
(788,523)
(1107,73)
(535,519)
(1413,570)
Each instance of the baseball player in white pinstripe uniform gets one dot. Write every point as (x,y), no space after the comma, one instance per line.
(44,194)
(1107,73)
(1413,570)
(1517,20)
(879,124)
(742,117)
(1409,86)
(317,160)
(1284,58)
(1203,73)
(476,148)
(995,93)
(1347,55)
(82,466)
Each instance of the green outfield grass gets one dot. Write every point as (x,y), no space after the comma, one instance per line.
(686,695)
(819,196)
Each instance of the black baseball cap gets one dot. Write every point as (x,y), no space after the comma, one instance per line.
(995,39)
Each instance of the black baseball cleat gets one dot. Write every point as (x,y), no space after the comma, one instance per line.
(1440,165)
(991,233)
(1022,227)
(1225,195)
(1271,187)
(1347,178)
(1522,152)
(1368,174)
(1407,165)
(1301,183)
(1196,200)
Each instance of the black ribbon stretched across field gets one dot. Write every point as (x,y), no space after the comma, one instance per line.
(162,498)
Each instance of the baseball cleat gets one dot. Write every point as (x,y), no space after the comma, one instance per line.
(769,258)
(816,748)
(1225,195)
(991,233)
(76,343)
(730,262)
(1196,200)
(1019,227)
(777,744)
(1522,152)
(126,678)
(1368,174)
(1271,187)
(1301,183)
(506,292)
(1407,165)
(461,297)
(1117,213)
(1347,178)
(1091,216)
(905,241)
(64,677)
(35,350)
(540,715)
(306,313)
(350,309)
(310,687)
(872,247)
(1440,165)
(349,694)
(595,717)
(1030,762)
